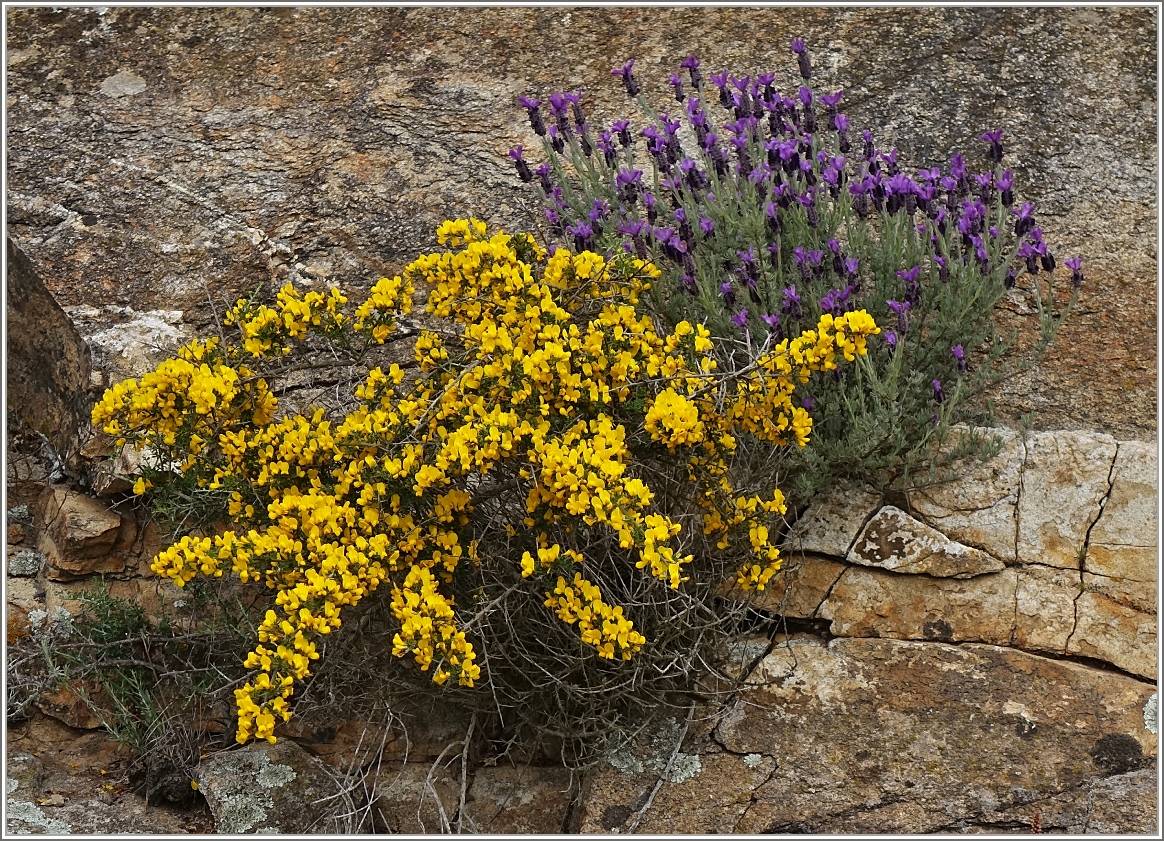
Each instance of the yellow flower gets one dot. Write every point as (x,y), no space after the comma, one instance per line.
(674,420)
(531,410)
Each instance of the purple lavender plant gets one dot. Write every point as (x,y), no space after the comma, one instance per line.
(744,171)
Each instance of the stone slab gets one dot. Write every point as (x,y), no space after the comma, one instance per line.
(507,800)
(1045,608)
(883,736)
(871,603)
(895,541)
(1065,479)
(1121,635)
(282,789)
(1122,545)
(831,522)
(979,508)
(799,588)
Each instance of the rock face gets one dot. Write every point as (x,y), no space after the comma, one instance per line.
(897,542)
(866,602)
(265,789)
(1066,477)
(48,362)
(1122,561)
(1049,547)
(83,535)
(980,507)
(513,800)
(874,736)
(1108,630)
(418,798)
(165,161)
(61,782)
(161,158)
(830,524)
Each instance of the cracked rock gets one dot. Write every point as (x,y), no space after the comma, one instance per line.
(1065,478)
(890,736)
(799,588)
(871,603)
(895,541)
(1121,635)
(1045,608)
(978,508)
(713,802)
(830,524)
(1122,555)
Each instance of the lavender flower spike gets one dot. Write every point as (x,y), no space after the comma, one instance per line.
(729,296)
(560,105)
(802,59)
(691,63)
(1026,218)
(959,358)
(622,129)
(1005,185)
(902,309)
(1076,266)
(632,87)
(583,234)
(575,100)
(994,138)
(535,116)
(543,173)
(523,170)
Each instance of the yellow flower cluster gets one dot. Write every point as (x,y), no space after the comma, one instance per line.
(428,630)
(388,298)
(191,398)
(553,397)
(674,420)
(600,625)
(550,556)
(268,329)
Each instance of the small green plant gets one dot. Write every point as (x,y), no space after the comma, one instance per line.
(777,211)
(157,686)
(112,622)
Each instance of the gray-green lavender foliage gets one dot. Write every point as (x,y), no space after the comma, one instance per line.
(774,215)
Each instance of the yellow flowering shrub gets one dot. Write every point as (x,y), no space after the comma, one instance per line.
(552,434)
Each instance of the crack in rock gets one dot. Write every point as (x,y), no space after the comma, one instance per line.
(1099,513)
(829,593)
(742,819)
(1086,544)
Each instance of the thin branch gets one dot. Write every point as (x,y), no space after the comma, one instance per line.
(665,774)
